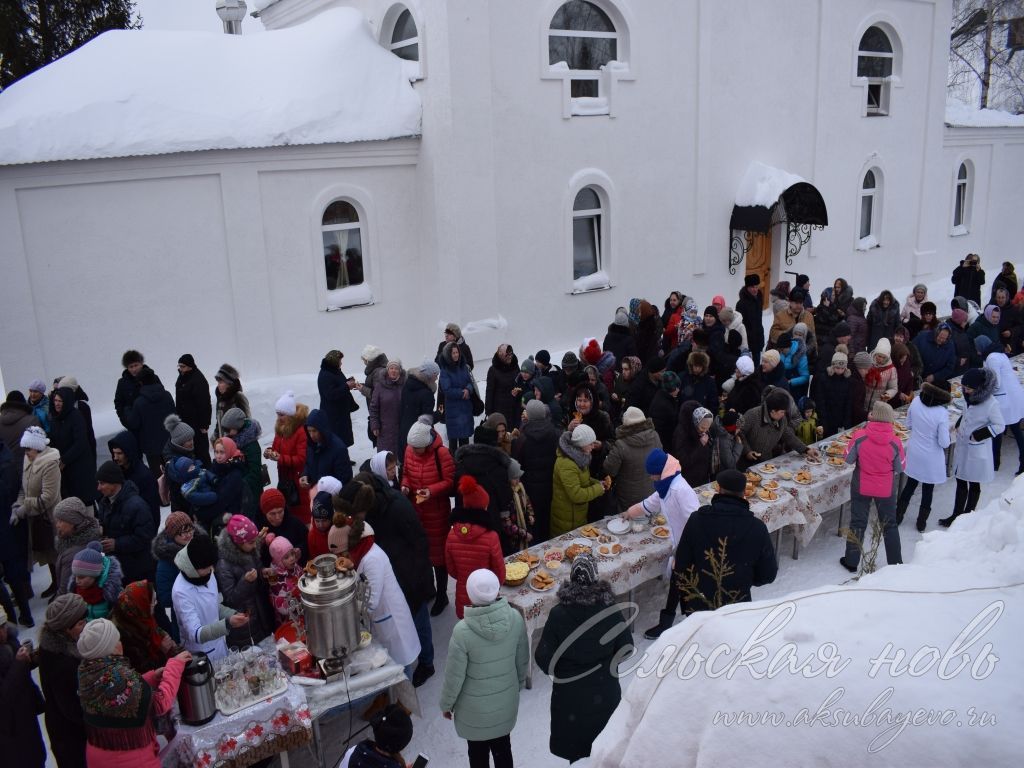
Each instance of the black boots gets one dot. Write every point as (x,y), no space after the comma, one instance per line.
(421,674)
(948,521)
(922,519)
(441,601)
(665,619)
(846,565)
(22,595)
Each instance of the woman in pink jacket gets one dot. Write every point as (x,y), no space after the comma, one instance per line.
(877,456)
(118,704)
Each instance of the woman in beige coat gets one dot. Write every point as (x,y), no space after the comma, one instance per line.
(40,492)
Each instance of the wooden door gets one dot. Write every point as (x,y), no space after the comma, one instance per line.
(759,260)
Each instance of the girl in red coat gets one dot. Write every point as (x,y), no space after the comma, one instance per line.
(427,476)
(289,451)
(472,543)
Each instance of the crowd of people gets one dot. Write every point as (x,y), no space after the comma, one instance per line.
(667,401)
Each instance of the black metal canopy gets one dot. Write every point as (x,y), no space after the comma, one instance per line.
(800,207)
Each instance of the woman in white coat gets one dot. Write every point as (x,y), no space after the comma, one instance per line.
(972,456)
(1010,396)
(928,421)
(392,624)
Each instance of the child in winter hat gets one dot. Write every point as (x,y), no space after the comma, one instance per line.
(285,404)
(97,579)
(328,484)
(322,513)
(241,530)
(283,575)
(182,435)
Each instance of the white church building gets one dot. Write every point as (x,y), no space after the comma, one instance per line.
(366,171)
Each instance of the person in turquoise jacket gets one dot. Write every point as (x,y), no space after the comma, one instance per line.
(487,662)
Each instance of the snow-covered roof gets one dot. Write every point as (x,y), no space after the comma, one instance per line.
(259,5)
(962,115)
(141,93)
(763,184)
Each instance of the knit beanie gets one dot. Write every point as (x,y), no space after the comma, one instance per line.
(883,347)
(570,362)
(65,611)
(772,357)
(68,381)
(495,420)
(72,511)
(582,436)
(285,404)
(392,729)
(99,638)
(241,529)
(514,470)
(109,472)
(473,494)
(181,432)
(862,361)
(271,499)
(655,364)
(726,315)
(202,552)
(958,316)
(188,360)
(337,539)
(34,438)
(973,379)
(370,353)
(655,461)
(633,415)
(621,317)
(528,366)
(323,506)
(777,400)
(982,345)
(37,385)
(430,369)
(800,330)
(712,310)
(881,411)
(590,351)
(536,410)
(839,359)
(482,587)
(543,357)
(395,362)
(279,548)
(328,484)
(176,523)
(419,435)
(584,570)
(89,561)
(842,329)
(234,418)
(732,481)
(928,308)
(990,311)
(745,365)
(670,381)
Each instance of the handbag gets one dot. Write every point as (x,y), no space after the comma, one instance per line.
(290,490)
(264,475)
(474,396)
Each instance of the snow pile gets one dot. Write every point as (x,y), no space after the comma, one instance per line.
(963,115)
(762,185)
(913,665)
(134,92)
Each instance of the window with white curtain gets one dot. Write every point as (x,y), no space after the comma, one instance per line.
(342,236)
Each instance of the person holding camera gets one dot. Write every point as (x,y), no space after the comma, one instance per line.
(968,278)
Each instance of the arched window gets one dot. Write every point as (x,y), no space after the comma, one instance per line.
(961,200)
(405,38)
(343,245)
(875,59)
(870,214)
(587,212)
(583,37)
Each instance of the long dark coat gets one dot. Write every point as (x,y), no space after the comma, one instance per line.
(21,742)
(751,309)
(580,709)
(498,398)
(58,678)
(336,401)
(145,416)
(192,400)
(417,400)
(535,451)
(69,435)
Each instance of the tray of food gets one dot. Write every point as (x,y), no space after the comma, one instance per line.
(542,581)
(754,477)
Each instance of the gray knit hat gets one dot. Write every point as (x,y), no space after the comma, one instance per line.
(430,369)
(419,435)
(181,432)
(234,418)
(72,510)
(99,638)
(536,410)
(583,435)
(65,611)
(514,470)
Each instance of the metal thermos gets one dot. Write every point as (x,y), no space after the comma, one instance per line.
(195,694)
(332,604)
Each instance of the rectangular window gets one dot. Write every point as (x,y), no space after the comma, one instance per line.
(865,216)
(586,246)
(958,211)
(343,259)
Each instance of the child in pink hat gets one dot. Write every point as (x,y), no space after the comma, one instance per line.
(283,575)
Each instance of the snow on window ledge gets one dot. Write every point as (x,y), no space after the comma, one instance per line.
(867,243)
(352,296)
(590,105)
(413,70)
(596,281)
(960,231)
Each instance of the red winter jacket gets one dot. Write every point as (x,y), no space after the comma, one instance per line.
(877,456)
(317,541)
(291,444)
(420,471)
(471,546)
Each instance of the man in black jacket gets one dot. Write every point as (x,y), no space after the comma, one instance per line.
(968,278)
(750,305)
(192,403)
(725,527)
(124,451)
(128,527)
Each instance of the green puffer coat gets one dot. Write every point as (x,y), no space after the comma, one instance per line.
(573,488)
(487,661)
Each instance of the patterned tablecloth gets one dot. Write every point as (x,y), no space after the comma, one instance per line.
(257,732)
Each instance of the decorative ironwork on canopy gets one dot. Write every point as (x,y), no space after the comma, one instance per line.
(800,208)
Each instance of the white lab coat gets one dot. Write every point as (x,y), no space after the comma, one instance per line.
(391,621)
(194,608)
(929,438)
(972,461)
(1009,393)
(679,503)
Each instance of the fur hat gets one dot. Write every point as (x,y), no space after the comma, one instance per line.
(286,404)
(482,587)
(71,510)
(881,411)
(745,365)
(698,358)
(99,638)
(750,280)
(536,410)
(777,400)
(473,494)
(771,356)
(180,432)
(633,415)
(68,381)
(229,374)
(419,435)
(583,436)
(936,394)
(928,307)
(89,561)
(272,499)
(590,351)
(241,529)
(233,418)
(655,461)
(177,522)
(109,472)
(454,330)
(732,481)
(331,485)
(34,438)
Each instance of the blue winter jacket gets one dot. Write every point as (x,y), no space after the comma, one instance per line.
(458,412)
(329,456)
(937,361)
(795,363)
